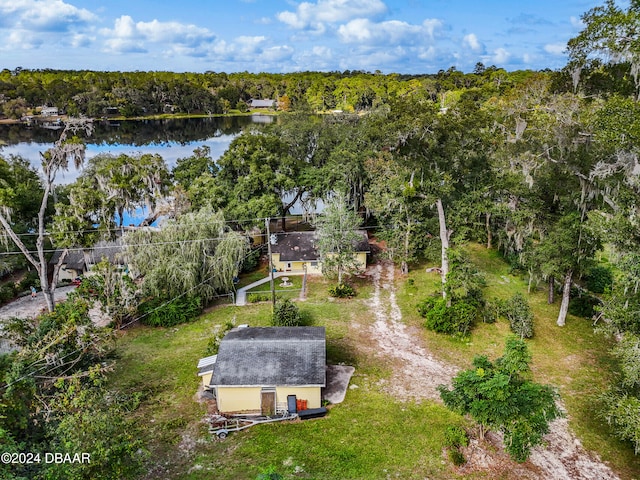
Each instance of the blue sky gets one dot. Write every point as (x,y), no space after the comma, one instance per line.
(404,36)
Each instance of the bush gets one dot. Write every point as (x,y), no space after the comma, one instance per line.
(582,304)
(455,436)
(456,457)
(7,292)
(458,318)
(251,261)
(342,290)
(286,314)
(520,315)
(599,279)
(214,342)
(30,279)
(180,310)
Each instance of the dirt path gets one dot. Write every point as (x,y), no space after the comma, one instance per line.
(417,374)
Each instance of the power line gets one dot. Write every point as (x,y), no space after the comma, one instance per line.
(121,327)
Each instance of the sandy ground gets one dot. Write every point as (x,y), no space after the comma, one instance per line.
(418,373)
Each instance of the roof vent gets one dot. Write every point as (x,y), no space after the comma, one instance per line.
(273,239)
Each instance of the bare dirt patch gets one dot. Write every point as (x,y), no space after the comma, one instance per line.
(417,373)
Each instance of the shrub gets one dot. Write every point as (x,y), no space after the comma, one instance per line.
(286,314)
(30,279)
(599,279)
(342,290)
(214,342)
(456,319)
(582,304)
(251,261)
(181,310)
(455,436)
(456,457)
(7,292)
(520,315)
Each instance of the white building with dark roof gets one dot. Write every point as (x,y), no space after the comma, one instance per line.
(257,368)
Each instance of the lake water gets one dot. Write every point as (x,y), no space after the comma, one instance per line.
(170,138)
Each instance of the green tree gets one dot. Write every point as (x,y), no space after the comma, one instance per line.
(501,396)
(612,34)
(520,315)
(337,232)
(67,148)
(195,253)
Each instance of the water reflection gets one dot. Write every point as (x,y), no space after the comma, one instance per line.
(170,138)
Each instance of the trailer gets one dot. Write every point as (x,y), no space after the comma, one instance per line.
(223,427)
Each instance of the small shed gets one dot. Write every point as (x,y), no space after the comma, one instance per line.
(258,367)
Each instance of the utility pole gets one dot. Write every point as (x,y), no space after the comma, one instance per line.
(267,222)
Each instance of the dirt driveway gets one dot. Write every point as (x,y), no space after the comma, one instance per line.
(418,373)
(27,307)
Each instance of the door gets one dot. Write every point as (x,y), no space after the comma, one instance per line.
(268,402)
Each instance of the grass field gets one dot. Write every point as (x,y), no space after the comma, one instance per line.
(370,435)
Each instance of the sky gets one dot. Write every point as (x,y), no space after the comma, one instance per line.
(281,36)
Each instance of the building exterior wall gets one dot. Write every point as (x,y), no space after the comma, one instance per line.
(68,273)
(311,394)
(247,399)
(206,379)
(238,399)
(312,267)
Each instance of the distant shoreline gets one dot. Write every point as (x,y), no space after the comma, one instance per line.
(39,119)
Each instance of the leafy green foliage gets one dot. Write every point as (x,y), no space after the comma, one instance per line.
(599,279)
(456,457)
(113,289)
(194,253)
(342,290)
(214,342)
(269,473)
(582,304)
(457,318)
(499,395)
(622,412)
(287,314)
(519,314)
(455,436)
(338,238)
(88,418)
(160,313)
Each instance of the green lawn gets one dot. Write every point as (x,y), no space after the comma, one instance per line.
(369,435)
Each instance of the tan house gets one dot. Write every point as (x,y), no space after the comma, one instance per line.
(297,251)
(257,368)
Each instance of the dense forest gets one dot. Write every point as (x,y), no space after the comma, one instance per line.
(542,166)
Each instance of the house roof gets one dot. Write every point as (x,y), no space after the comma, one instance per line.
(267,103)
(111,250)
(206,364)
(74,259)
(302,246)
(271,356)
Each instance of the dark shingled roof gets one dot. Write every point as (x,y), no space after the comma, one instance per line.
(74,259)
(271,356)
(302,246)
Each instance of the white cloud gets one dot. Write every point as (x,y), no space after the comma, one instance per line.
(576,22)
(500,56)
(317,15)
(471,41)
(392,32)
(557,49)
(43,15)
(130,36)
